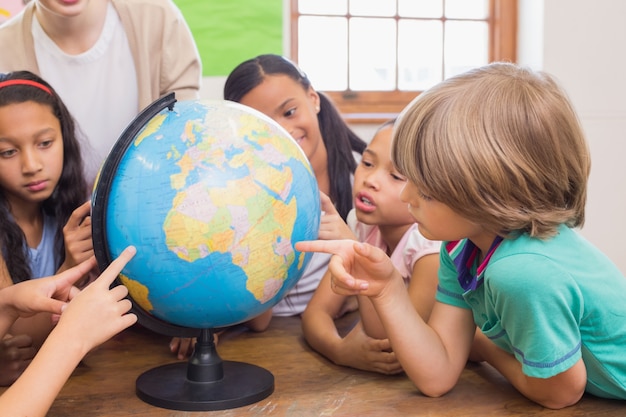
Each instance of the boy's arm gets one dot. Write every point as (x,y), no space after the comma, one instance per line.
(433,355)
(422,289)
(559,391)
(423,284)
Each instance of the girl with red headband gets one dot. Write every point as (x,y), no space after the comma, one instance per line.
(44,212)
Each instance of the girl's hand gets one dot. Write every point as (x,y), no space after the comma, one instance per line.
(77,237)
(360,351)
(16,353)
(98,312)
(49,294)
(357,268)
(182,347)
(332,225)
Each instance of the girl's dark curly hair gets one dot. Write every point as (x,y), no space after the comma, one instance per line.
(71,190)
(338,138)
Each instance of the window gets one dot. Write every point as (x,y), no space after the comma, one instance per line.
(374,56)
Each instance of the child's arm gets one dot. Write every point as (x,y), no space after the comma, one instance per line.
(94,315)
(423,285)
(261,322)
(422,289)
(433,355)
(356,349)
(19,345)
(561,390)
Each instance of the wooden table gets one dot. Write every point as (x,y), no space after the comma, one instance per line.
(306,384)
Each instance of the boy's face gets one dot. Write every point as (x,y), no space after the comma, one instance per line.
(437,221)
(377,185)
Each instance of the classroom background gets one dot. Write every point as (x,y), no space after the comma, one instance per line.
(581,42)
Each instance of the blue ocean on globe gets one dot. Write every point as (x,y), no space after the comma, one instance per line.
(214,195)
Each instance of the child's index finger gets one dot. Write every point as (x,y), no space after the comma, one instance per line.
(325,246)
(114,269)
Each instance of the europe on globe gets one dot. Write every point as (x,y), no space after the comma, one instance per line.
(213,195)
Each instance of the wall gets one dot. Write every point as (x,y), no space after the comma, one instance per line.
(584,47)
(582,43)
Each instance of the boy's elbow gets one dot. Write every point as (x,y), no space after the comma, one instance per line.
(435,389)
(562,401)
(434,393)
(563,390)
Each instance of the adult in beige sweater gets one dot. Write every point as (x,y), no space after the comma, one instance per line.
(107,59)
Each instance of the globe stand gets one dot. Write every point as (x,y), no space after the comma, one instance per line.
(206,382)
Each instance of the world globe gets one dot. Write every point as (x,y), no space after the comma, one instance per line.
(214,195)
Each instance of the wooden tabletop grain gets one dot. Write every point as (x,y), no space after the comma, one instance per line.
(305,383)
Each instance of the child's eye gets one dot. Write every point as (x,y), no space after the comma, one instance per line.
(290,112)
(398,177)
(46,143)
(366,163)
(7,153)
(424,196)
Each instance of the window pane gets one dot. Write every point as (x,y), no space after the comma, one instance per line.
(323,54)
(334,7)
(373,7)
(420,54)
(466,46)
(421,8)
(467,9)
(372,54)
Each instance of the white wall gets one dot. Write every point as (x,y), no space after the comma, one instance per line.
(583,44)
(584,47)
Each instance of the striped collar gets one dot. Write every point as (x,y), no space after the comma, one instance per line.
(464,252)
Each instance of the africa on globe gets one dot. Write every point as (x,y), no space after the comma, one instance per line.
(214,195)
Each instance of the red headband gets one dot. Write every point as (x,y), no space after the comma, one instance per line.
(25,82)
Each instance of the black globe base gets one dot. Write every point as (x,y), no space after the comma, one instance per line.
(205,383)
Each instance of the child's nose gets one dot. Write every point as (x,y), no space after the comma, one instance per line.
(372,180)
(30,162)
(288,127)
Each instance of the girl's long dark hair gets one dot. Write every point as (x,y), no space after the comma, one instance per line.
(70,192)
(339,139)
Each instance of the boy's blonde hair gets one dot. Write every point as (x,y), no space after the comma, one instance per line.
(500,145)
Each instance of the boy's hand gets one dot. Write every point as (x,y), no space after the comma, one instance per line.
(354,259)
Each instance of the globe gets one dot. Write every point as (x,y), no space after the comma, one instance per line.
(213,195)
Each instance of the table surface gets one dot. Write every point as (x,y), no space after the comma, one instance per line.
(305,383)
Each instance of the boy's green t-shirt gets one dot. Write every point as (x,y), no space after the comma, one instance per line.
(549,303)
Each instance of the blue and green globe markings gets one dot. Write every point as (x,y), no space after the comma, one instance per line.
(214,196)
